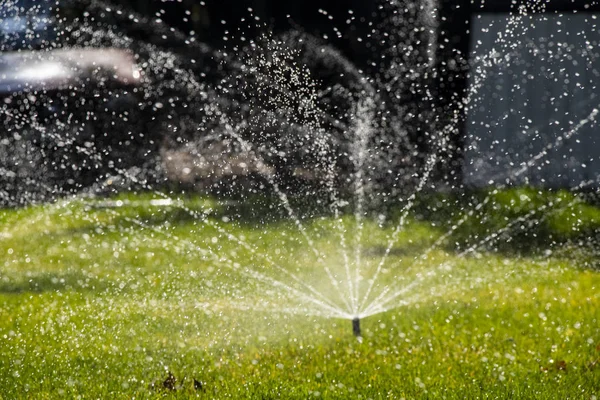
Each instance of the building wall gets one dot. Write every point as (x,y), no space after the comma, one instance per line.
(535,105)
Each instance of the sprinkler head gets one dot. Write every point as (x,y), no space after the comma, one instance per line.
(356,327)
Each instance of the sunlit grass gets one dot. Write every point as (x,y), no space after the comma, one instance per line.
(105,302)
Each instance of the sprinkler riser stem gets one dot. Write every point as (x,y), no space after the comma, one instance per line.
(356,327)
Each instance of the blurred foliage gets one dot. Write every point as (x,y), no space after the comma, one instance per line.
(520,219)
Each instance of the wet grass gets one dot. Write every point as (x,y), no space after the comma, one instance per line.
(103,302)
(548,218)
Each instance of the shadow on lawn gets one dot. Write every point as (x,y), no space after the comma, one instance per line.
(54,282)
(514,221)
(256,211)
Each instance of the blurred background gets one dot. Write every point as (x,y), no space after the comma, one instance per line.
(124,87)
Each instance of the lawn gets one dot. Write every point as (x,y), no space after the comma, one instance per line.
(137,297)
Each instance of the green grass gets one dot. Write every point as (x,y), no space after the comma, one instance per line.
(105,303)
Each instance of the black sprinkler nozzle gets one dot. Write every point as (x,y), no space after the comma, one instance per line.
(356,327)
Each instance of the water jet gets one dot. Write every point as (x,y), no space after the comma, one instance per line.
(313,139)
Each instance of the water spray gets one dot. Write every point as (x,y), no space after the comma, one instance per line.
(356,327)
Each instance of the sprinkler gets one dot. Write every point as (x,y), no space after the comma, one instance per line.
(356,327)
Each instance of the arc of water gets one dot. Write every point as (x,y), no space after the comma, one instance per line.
(323,150)
(205,220)
(344,248)
(362,126)
(381,309)
(48,210)
(258,276)
(400,225)
(232,237)
(493,237)
(492,58)
(477,84)
(453,284)
(448,287)
(330,178)
(340,227)
(311,312)
(287,206)
(368,310)
(363,130)
(312,112)
(221,230)
(335,204)
(377,308)
(590,118)
(382,300)
(116,10)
